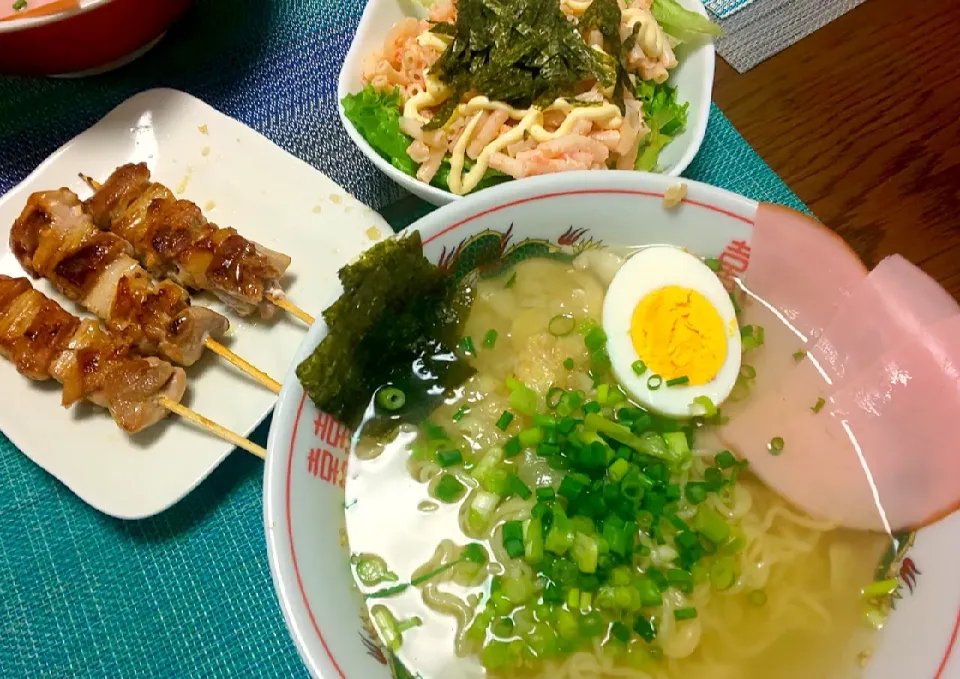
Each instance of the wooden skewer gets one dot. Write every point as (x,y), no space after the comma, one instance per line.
(213,427)
(280,301)
(253,371)
(292,308)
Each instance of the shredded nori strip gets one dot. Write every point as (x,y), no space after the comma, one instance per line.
(522,52)
(397,323)
(605,16)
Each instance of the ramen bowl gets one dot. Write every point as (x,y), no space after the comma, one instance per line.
(307,466)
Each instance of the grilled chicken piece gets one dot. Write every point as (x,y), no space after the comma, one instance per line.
(46,342)
(53,238)
(172,238)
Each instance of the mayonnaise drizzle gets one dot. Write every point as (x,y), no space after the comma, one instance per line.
(606,116)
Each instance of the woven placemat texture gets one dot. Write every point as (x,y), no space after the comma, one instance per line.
(755,30)
(721,9)
(188,593)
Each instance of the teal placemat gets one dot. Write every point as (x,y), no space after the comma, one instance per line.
(188,593)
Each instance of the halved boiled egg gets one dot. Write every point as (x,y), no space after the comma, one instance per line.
(672,332)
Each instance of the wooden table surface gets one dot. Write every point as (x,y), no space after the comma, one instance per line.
(862,120)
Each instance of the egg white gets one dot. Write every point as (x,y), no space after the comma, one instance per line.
(648,270)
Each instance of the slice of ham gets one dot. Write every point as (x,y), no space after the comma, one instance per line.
(888,369)
(36,8)
(799,275)
(894,305)
(801,268)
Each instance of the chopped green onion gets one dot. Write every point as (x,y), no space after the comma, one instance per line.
(725,459)
(757,598)
(449,458)
(466,345)
(705,402)
(490,339)
(448,489)
(512,280)
(880,588)
(723,573)
(475,553)
(562,325)
(775,447)
(818,406)
(571,487)
(544,421)
(799,354)
(645,628)
(512,530)
(595,338)
(553,397)
(712,479)
(387,624)
(677,443)
(618,469)
(372,570)
(751,336)
(713,264)
(512,447)
(568,363)
(531,437)
(654,382)
(391,398)
(570,402)
(503,627)
(514,548)
(638,367)
(523,399)
(506,417)
(585,553)
(650,594)
(748,372)
(681,579)
(695,492)
(620,632)
(461,412)
(711,525)
(677,381)
(685,613)
(533,540)
(518,487)
(546,494)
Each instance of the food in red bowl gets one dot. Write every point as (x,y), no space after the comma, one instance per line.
(50,37)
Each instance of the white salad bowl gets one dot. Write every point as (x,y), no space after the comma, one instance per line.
(693,79)
(306,466)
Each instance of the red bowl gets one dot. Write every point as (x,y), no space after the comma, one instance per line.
(95,36)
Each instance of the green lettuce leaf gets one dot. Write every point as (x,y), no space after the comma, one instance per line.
(665,117)
(681,23)
(376,115)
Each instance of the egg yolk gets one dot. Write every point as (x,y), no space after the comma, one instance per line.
(676,332)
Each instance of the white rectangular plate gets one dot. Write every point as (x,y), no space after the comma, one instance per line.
(240,179)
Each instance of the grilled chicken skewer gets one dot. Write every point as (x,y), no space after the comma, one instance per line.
(44,342)
(172,239)
(53,238)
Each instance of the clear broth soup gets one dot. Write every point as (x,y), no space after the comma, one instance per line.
(778,599)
